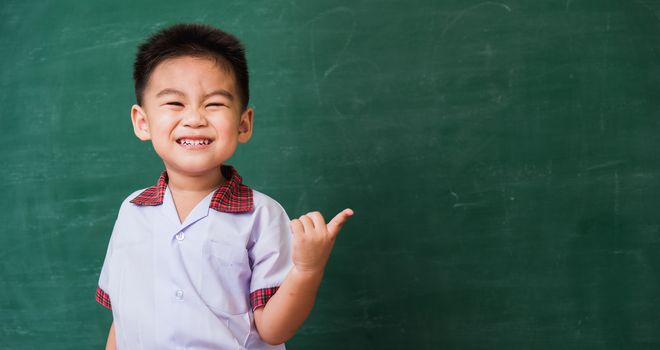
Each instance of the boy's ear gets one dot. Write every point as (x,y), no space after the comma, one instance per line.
(140,123)
(245,125)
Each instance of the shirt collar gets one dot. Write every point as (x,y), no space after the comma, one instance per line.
(231,197)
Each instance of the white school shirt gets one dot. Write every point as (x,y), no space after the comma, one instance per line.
(190,285)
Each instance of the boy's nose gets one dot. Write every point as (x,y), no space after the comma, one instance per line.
(194,119)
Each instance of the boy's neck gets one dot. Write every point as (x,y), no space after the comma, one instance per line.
(203,183)
(188,190)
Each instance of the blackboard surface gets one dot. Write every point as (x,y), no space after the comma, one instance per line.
(502,158)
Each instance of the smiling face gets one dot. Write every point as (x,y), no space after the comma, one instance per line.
(192,114)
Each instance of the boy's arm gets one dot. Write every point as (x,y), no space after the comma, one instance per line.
(110,344)
(286,311)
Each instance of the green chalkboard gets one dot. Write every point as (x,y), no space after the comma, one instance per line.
(502,158)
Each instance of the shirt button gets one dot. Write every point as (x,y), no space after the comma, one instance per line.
(179,294)
(180,236)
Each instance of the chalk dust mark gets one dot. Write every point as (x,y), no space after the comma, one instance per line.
(472,8)
(617,192)
(457,18)
(604,70)
(312,43)
(365,96)
(100,46)
(317,85)
(333,11)
(431,31)
(329,70)
(33,241)
(609,164)
(648,7)
(609,21)
(469,204)
(302,203)
(284,10)
(507,216)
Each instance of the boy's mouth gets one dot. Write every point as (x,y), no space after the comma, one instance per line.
(194,142)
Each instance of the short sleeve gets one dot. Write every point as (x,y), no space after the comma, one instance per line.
(103,289)
(270,252)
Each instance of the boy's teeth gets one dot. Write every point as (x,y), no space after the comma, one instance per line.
(194,142)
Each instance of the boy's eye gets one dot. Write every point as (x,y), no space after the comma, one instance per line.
(174,103)
(215,104)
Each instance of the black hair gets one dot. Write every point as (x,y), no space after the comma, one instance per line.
(198,40)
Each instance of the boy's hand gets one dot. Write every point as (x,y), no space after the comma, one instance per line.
(313,240)
(286,311)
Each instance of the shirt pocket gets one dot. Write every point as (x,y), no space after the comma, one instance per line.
(225,277)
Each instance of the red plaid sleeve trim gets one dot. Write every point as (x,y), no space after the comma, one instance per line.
(260,297)
(103,298)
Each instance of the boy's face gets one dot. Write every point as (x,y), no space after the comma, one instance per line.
(192,114)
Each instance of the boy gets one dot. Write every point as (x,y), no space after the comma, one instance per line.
(200,260)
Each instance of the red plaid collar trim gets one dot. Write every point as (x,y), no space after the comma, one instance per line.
(232,197)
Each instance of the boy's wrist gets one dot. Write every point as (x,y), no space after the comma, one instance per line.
(308,273)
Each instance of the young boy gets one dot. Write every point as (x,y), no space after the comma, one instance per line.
(200,260)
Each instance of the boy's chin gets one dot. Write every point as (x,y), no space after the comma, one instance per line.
(192,169)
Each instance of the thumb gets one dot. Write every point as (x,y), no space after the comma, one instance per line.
(338,221)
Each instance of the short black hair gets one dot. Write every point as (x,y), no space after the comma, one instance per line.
(191,39)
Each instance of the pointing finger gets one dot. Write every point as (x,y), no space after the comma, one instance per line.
(338,221)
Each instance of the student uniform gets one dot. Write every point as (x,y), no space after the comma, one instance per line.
(194,285)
